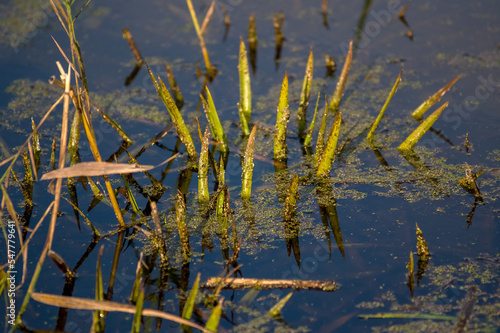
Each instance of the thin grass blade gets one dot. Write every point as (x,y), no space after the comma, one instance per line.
(339,91)
(291,199)
(417,134)
(136,322)
(320,141)
(282,118)
(369,137)
(213,321)
(307,140)
(189,306)
(276,309)
(247,168)
(306,91)
(419,112)
(245,106)
(214,122)
(328,156)
(203,193)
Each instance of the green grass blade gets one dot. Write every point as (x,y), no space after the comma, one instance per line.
(203,193)
(131,197)
(245,107)
(136,287)
(98,323)
(214,122)
(221,198)
(281,122)
(307,140)
(213,321)
(339,90)
(328,156)
(304,96)
(136,323)
(291,199)
(369,137)
(419,112)
(417,134)
(180,126)
(189,306)
(276,309)
(247,168)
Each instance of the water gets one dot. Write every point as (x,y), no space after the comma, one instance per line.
(377,206)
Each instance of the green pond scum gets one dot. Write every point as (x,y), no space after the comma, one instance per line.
(273,192)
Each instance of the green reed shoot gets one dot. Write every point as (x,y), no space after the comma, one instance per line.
(247,168)
(339,90)
(136,322)
(37,151)
(176,91)
(328,156)
(419,112)
(53,154)
(422,248)
(304,96)
(189,306)
(213,321)
(282,118)
(245,106)
(214,122)
(291,199)
(417,134)
(199,32)
(276,309)
(221,197)
(369,137)
(175,115)
(98,315)
(203,192)
(136,287)
(307,140)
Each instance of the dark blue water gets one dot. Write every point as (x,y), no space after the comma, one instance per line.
(377,206)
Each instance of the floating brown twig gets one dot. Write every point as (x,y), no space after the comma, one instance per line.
(243,283)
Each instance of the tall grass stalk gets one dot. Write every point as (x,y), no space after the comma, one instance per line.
(306,91)
(420,110)
(339,90)
(203,193)
(382,111)
(245,106)
(199,33)
(282,118)
(247,168)
(214,122)
(307,140)
(328,156)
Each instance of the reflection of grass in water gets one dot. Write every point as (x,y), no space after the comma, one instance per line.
(446,293)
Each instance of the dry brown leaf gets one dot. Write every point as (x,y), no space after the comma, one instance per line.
(95,169)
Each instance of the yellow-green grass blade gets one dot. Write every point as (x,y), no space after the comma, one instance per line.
(320,141)
(245,106)
(304,96)
(282,118)
(419,112)
(136,323)
(328,156)
(180,126)
(369,137)
(307,140)
(417,134)
(203,192)
(339,90)
(213,321)
(247,168)
(189,306)
(276,309)
(214,122)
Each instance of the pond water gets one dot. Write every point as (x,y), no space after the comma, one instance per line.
(376,196)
